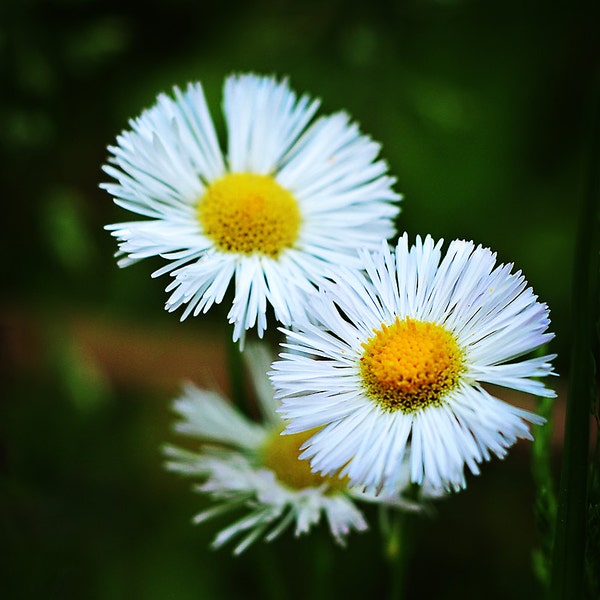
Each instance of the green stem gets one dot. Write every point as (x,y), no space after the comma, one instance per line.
(235,373)
(545,496)
(322,564)
(270,578)
(570,541)
(395,529)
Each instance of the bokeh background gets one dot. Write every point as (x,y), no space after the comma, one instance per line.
(483,110)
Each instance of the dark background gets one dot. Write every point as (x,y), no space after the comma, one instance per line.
(483,110)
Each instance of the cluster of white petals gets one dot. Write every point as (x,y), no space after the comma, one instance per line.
(164,164)
(231,470)
(494,318)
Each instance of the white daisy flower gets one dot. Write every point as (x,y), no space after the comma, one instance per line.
(393,367)
(289,198)
(251,467)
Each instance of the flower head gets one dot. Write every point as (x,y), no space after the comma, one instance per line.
(289,198)
(252,468)
(392,365)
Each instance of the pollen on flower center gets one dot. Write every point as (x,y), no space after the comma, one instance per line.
(280,455)
(410,365)
(248,213)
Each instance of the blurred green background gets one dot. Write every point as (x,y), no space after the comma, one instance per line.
(482,108)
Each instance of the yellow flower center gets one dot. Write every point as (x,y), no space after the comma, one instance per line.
(410,365)
(280,455)
(249,214)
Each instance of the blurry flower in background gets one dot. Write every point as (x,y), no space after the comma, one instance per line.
(289,199)
(393,368)
(252,468)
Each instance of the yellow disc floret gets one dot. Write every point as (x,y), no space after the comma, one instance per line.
(249,214)
(280,455)
(410,365)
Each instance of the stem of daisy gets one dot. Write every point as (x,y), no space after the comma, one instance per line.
(323,585)
(236,373)
(395,530)
(570,542)
(545,496)
(272,584)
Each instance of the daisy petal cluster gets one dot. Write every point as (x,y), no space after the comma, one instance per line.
(250,468)
(393,365)
(290,196)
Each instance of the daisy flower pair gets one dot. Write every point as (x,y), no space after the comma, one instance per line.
(388,350)
(248,467)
